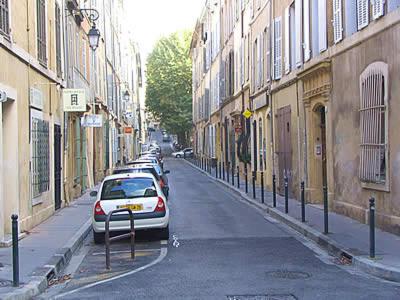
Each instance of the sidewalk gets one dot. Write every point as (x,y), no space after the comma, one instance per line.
(346,236)
(46,249)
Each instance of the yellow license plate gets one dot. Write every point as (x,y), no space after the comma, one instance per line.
(132,207)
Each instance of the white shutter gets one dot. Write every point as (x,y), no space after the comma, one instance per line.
(377,9)
(322,40)
(268,56)
(306,30)
(298,46)
(272,47)
(278,48)
(262,59)
(337,21)
(362,14)
(287,40)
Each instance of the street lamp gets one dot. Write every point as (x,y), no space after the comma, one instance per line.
(94,37)
(126,95)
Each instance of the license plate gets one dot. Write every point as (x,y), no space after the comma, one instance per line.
(132,207)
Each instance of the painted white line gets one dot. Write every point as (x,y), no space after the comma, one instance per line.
(163,254)
(125,251)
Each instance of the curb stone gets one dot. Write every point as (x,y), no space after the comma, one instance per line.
(363,263)
(40,277)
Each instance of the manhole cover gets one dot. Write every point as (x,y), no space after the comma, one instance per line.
(4,283)
(263,297)
(287,274)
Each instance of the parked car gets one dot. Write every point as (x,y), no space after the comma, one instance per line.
(187,152)
(153,169)
(139,192)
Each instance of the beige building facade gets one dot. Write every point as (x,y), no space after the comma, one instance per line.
(322,98)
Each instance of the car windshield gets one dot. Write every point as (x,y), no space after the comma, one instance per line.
(126,188)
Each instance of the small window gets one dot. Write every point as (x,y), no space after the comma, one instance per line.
(4,18)
(374,124)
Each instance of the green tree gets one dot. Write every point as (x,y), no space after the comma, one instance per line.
(169,84)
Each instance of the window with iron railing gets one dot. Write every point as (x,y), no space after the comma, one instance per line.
(40,156)
(4,18)
(58,39)
(41,31)
(374,124)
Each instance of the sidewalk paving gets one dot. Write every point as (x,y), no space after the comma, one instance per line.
(346,236)
(46,249)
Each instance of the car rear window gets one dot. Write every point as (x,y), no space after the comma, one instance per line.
(128,188)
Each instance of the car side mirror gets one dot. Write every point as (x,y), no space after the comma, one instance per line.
(93,194)
(167,172)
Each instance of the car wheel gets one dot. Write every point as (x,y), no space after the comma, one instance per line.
(98,237)
(178,156)
(163,234)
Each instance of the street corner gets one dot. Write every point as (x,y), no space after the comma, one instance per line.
(92,268)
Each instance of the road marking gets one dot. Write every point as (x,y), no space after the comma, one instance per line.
(176,242)
(162,255)
(164,242)
(125,251)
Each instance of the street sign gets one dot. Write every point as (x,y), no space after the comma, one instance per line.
(74,100)
(92,121)
(247,114)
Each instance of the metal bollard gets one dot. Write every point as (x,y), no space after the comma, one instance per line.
(238,177)
(227,172)
(216,170)
(201,164)
(223,170)
(326,221)
(372,228)
(303,203)
(15,251)
(246,179)
(273,190)
(254,184)
(286,195)
(219,166)
(233,175)
(262,187)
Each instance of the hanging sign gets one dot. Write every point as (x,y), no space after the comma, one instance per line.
(247,114)
(92,121)
(74,100)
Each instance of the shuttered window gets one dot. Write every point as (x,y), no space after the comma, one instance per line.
(41,31)
(362,13)
(322,34)
(299,42)
(287,40)
(58,38)
(4,18)
(278,48)
(40,156)
(337,21)
(377,8)
(306,30)
(373,123)
(268,54)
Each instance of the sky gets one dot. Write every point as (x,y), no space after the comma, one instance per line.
(152,19)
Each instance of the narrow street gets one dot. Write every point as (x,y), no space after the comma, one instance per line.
(220,248)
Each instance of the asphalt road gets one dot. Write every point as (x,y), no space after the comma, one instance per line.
(220,248)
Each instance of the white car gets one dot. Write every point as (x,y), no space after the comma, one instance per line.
(187,152)
(139,192)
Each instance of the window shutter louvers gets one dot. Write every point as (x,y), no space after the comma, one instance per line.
(278,48)
(362,14)
(298,46)
(268,57)
(306,30)
(261,59)
(322,40)
(377,9)
(337,21)
(287,40)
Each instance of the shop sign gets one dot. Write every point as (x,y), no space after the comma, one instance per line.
(92,121)
(74,100)
(36,98)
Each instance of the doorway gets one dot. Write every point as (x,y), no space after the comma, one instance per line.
(322,119)
(284,148)
(57,167)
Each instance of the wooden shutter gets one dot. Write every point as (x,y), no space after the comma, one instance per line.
(278,48)
(268,55)
(272,47)
(337,21)
(362,14)
(287,40)
(306,30)
(322,35)
(377,9)
(261,70)
(298,46)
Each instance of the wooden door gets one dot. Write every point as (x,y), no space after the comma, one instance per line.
(284,147)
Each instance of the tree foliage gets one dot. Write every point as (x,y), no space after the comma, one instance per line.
(169,83)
